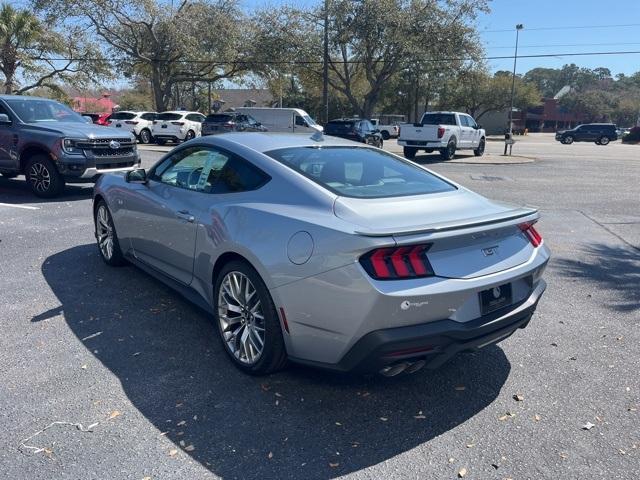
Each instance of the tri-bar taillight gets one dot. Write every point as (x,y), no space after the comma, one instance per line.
(531,233)
(393,263)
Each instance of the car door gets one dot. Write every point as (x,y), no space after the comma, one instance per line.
(466,132)
(8,141)
(161,216)
(474,133)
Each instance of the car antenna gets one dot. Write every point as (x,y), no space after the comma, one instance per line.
(317,137)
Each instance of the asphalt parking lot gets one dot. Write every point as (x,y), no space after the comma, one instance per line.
(144,375)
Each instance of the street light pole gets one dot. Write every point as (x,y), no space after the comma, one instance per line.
(513,86)
(325,63)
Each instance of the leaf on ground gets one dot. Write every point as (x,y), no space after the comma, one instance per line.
(339,424)
(181,422)
(265,387)
(462,473)
(518,397)
(114,414)
(506,415)
(270,455)
(588,426)
(537,417)
(84,367)
(181,442)
(451,460)
(189,448)
(278,395)
(334,465)
(93,335)
(419,417)
(471,445)
(460,388)
(384,419)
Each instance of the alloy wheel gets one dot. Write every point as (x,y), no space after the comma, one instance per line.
(241,317)
(40,177)
(104,231)
(604,141)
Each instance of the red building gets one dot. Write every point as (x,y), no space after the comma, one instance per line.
(104,104)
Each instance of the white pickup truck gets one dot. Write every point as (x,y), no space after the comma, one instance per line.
(442,131)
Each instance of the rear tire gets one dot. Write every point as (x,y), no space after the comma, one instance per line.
(190,135)
(449,152)
(604,140)
(234,325)
(43,178)
(385,135)
(478,152)
(410,152)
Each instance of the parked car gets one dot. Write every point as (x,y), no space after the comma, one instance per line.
(138,123)
(52,145)
(345,257)
(230,122)
(446,132)
(386,130)
(355,129)
(103,119)
(282,119)
(176,126)
(94,116)
(599,133)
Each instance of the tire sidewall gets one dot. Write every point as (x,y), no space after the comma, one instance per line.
(604,140)
(117,259)
(273,342)
(147,133)
(56,182)
(568,140)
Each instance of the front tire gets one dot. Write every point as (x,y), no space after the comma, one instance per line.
(604,140)
(568,140)
(106,237)
(43,178)
(478,152)
(247,320)
(145,136)
(190,135)
(410,152)
(449,152)
(385,135)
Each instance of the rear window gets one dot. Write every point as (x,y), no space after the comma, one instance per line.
(338,127)
(122,116)
(169,116)
(438,119)
(360,172)
(219,118)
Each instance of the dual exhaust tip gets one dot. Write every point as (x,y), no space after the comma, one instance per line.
(402,367)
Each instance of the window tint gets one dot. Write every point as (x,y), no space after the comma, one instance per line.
(30,111)
(169,116)
(337,126)
(148,116)
(208,170)
(360,172)
(471,122)
(194,117)
(122,116)
(438,119)
(219,118)
(367,126)
(300,121)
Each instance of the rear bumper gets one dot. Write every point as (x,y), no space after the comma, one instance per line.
(421,144)
(435,342)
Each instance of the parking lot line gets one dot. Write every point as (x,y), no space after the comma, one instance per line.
(26,207)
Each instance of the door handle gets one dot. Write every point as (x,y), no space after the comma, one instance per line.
(185,215)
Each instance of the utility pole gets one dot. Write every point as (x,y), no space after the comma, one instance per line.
(513,88)
(325,63)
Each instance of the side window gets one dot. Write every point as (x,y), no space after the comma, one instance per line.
(5,111)
(148,116)
(366,125)
(470,122)
(192,117)
(239,176)
(195,168)
(300,121)
(251,120)
(463,121)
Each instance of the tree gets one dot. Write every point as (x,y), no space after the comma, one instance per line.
(164,42)
(478,93)
(29,52)
(372,42)
(595,105)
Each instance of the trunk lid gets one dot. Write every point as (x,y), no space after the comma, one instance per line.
(416,132)
(470,236)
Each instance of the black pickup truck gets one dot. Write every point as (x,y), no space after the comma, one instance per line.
(52,145)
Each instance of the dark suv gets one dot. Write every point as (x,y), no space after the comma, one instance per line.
(355,129)
(230,122)
(51,145)
(599,133)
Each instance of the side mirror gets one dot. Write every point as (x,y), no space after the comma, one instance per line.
(4,119)
(139,175)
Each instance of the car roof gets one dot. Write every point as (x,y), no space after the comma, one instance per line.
(181,112)
(267,141)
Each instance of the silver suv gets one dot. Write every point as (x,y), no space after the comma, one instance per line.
(51,145)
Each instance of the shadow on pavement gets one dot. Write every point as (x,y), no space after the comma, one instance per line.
(172,368)
(16,191)
(616,268)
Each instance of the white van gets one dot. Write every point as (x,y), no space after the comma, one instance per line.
(282,119)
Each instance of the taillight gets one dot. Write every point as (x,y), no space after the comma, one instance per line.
(177,123)
(131,122)
(440,132)
(531,233)
(398,262)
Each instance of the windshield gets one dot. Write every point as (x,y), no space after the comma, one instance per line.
(360,172)
(219,118)
(438,119)
(122,116)
(310,121)
(30,111)
(338,127)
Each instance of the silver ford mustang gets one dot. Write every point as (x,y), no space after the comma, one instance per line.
(325,252)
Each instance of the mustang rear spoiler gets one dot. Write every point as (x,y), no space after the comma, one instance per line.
(513,216)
